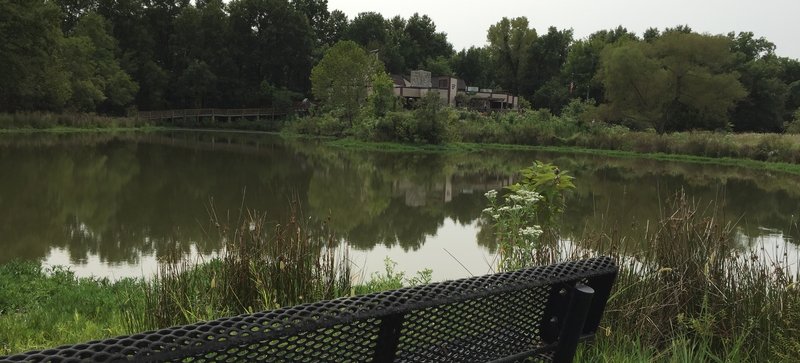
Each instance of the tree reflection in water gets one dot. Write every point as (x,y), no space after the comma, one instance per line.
(116,197)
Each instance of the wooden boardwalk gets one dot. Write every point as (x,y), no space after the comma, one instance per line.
(214,113)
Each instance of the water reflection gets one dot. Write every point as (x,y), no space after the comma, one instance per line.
(122,201)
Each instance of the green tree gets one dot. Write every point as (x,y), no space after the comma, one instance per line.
(510,41)
(761,71)
(317,14)
(196,85)
(201,41)
(424,42)
(32,76)
(382,98)
(547,56)
(334,28)
(369,30)
(136,28)
(474,66)
(680,81)
(272,42)
(343,77)
(72,10)
(791,76)
(583,62)
(97,79)
(439,66)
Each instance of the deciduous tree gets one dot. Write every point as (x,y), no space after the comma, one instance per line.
(510,41)
(343,77)
(680,81)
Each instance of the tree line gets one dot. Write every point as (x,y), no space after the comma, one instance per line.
(114,56)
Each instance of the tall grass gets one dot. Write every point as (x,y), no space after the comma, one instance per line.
(42,307)
(47,120)
(262,267)
(688,290)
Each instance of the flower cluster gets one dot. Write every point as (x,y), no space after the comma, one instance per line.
(532,232)
(526,197)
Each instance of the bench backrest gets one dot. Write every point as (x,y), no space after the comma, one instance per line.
(541,312)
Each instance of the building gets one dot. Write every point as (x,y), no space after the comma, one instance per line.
(420,83)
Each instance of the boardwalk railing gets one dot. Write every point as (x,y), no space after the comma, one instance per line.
(214,113)
(541,313)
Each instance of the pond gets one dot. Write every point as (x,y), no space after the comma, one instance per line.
(111,205)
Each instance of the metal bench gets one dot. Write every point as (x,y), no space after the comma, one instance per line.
(535,314)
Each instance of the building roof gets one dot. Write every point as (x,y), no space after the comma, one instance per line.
(400,81)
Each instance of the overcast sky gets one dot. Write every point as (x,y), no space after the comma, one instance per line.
(466,21)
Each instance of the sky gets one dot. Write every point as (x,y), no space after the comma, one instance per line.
(466,21)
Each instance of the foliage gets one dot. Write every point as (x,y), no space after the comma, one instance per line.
(42,307)
(794,126)
(510,41)
(261,269)
(548,54)
(112,57)
(32,77)
(432,118)
(530,210)
(98,81)
(474,66)
(45,120)
(382,98)
(677,82)
(391,279)
(343,77)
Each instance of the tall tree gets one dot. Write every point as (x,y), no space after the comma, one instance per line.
(342,78)
(583,62)
(317,14)
(791,76)
(547,57)
(200,44)
(510,41)
(369,30)
(334,28)
(97,80)
(133,28)
(680,81)
(763,107)
(32,76)
(474,66)
(272,42)
(72,10)
(424,42)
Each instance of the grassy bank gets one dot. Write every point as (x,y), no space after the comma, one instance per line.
(474,147)
(60,122)
(575,128)
(449,130)
(44,307)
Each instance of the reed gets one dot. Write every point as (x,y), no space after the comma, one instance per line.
(688,288)
(47,120)
(263,266)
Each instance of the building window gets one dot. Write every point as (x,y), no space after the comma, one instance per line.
(443,83)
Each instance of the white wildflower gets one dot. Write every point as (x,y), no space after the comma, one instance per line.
(491,195)
(531,232)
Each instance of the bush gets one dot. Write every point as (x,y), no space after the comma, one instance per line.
(793,127)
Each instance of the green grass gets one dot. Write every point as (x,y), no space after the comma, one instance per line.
(72,130)
(46,307)
(474,147)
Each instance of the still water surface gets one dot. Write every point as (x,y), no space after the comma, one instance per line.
(112,205)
